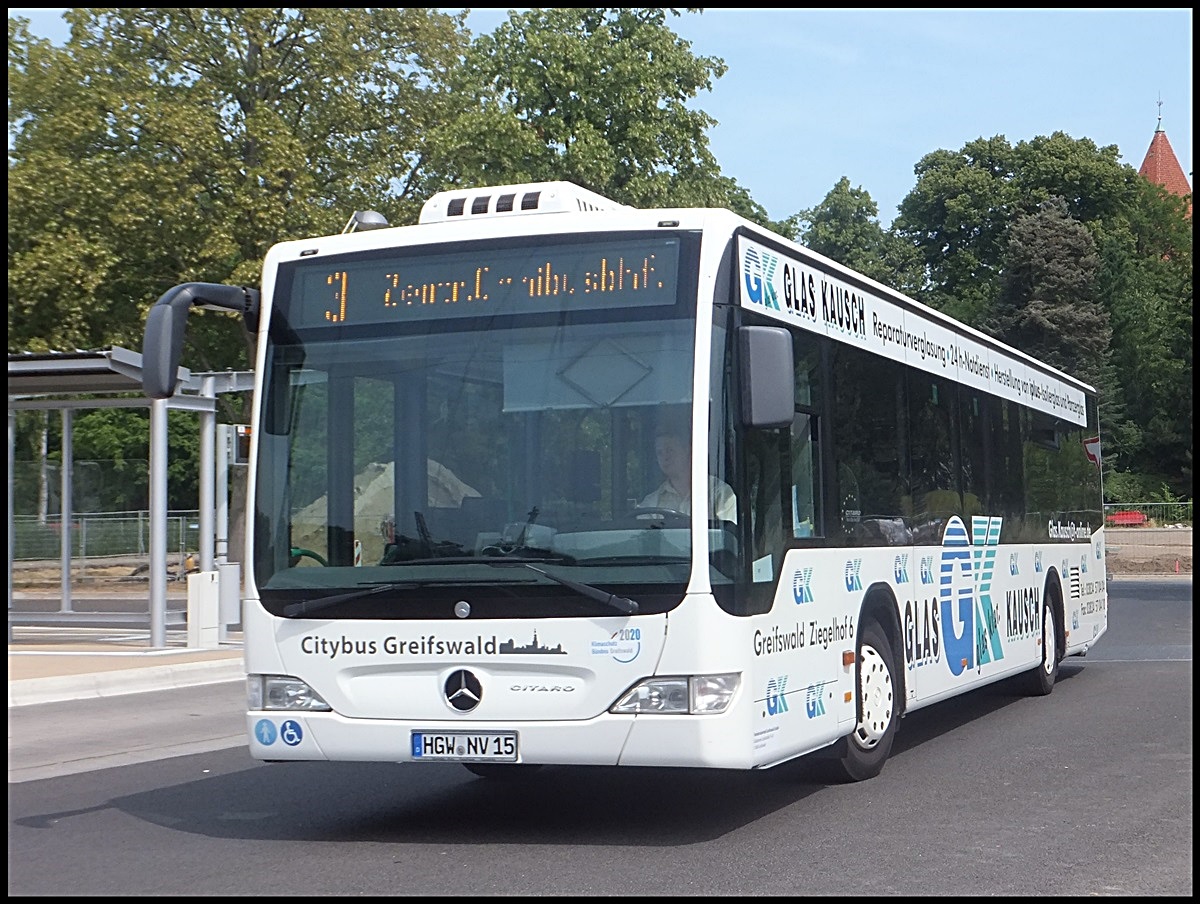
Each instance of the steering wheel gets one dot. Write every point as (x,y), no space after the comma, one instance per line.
(668,517)
(299,553)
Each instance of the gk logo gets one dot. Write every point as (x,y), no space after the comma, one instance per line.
(776,702)
(969,621)
(802,586)
(814,703)
(853,581)
(926,569)
(758,273)
(900,569)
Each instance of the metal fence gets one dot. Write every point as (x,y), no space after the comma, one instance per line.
(1148,514)
(97,535)
(1149,538)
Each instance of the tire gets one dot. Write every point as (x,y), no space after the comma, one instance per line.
(1039,681)
(502,771)
(862,754)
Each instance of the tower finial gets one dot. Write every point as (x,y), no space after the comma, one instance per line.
(1159,128)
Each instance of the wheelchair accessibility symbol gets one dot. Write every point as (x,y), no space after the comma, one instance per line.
(291,733)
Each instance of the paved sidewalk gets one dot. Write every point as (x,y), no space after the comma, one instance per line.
(52,664)
(51,661)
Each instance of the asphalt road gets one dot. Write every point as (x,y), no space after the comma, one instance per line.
(1085,792)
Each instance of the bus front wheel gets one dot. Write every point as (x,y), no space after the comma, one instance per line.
(867,748)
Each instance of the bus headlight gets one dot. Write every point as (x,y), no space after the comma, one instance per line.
(694,694)
(282,693)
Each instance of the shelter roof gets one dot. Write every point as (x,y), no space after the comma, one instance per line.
(112,370)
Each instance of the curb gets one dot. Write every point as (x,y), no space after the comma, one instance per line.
(123,681)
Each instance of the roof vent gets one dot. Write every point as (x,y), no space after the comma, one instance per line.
(534,198)
(365,219)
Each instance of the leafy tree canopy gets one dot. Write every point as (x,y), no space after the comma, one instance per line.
(161,146)
(968,217)
(845,227)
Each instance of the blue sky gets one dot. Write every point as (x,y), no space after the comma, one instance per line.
(813,95)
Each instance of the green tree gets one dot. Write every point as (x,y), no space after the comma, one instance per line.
(956,216)
(959,216)
(845,227)
(1047,304)
(110,449)
(1148,279)
(598,97)
(122,437)
(161,146)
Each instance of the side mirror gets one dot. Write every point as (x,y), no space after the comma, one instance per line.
(765,370)
(166,324)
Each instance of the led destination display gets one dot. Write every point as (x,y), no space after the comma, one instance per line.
(545,278)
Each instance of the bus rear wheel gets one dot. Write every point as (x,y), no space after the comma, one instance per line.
(867,748)
(1039,682)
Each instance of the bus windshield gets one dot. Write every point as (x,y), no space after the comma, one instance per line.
(520,431)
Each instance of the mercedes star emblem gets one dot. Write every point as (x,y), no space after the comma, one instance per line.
(463,690)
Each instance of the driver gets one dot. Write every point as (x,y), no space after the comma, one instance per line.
(673,451)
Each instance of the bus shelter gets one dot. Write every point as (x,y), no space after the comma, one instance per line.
(71,381)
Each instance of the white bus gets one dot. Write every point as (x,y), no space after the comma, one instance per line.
(462,546)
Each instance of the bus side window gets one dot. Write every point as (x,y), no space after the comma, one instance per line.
(806,495)
(870,445)
(767,465)
(806,484)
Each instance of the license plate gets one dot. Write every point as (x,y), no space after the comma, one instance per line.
(460,746)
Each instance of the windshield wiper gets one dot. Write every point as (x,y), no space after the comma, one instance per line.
(321,602)
(317,603)
(620,603)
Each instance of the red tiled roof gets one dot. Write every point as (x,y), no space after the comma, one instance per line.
(1162,167)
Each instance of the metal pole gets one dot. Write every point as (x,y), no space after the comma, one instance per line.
(65,509)
(158,523)
(208,424)
(12,548)
(224,441)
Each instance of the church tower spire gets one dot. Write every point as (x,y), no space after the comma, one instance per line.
(1162,167)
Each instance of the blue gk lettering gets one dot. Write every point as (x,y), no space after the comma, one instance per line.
(814,701)
(926,569)
(986,533)
(776,701)
(758,273)
(802,586)
(853,581)
(955,598)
